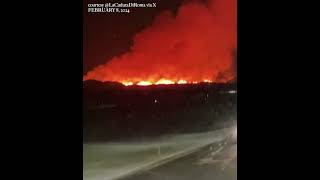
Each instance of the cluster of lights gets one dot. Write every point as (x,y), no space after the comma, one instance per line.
(162,81)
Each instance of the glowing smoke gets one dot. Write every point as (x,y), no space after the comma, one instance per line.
(195,45)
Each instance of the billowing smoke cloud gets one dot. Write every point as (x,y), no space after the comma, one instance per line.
(196,44)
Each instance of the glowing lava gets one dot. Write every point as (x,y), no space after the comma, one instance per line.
(126,83)
(144,83)
(164,81)
(182,82)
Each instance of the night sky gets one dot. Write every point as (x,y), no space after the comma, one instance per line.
(109,34)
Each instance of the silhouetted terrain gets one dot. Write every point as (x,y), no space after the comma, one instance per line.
(113,111)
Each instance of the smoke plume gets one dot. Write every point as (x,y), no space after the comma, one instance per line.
(197,44)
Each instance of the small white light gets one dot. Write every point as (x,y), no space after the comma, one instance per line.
(234,133)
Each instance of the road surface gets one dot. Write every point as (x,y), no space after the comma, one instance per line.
(217,161)
(110,161)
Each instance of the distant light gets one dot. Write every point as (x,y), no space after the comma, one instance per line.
(155,101)
(232,92)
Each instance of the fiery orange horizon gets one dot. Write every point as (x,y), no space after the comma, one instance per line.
(161,82)
(195,45)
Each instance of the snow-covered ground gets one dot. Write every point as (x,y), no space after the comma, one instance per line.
(108,161)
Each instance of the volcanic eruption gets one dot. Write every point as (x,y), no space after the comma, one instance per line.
(197,44)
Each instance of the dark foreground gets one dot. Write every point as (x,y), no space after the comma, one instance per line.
(114,112)
(206,164)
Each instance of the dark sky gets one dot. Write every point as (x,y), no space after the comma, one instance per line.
(110,34)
